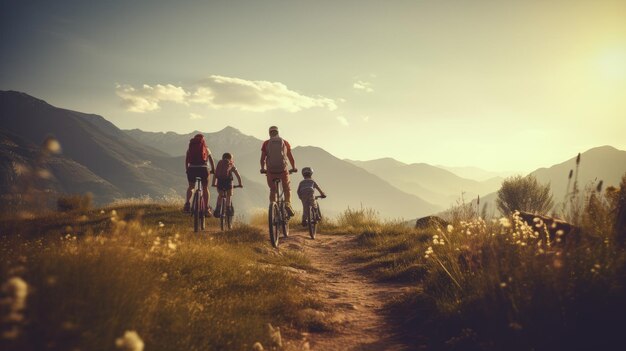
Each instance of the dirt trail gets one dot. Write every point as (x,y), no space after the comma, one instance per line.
(354,302)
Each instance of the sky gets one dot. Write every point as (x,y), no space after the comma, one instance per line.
(501,85)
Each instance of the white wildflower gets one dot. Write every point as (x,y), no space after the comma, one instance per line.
(275,336)
(505,222)
(16,291)
(130,341)
(450,228)
(161,225)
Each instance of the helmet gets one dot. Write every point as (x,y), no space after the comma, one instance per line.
(307,171)
(273,129)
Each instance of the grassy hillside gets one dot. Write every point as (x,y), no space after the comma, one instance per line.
(504,284)
(83,280)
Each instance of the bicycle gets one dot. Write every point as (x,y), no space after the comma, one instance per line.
(198,212)
(226,212)
(277,215)
(315,216)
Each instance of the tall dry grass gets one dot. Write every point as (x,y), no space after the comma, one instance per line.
(506,284)
(137,271)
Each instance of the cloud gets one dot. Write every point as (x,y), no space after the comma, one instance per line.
(147,97)
(196,116)
(221,92)
(257,96)
(363,85)
(343,120)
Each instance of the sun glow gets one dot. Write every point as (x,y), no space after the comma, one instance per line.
(612,63)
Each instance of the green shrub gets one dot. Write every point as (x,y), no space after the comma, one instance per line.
(524,194)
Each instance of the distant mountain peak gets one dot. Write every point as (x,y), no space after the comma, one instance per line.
(229,129)
(18,95)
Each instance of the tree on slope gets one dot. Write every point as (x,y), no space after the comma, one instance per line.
(524,194)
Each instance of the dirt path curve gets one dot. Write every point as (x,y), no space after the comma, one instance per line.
(354,302)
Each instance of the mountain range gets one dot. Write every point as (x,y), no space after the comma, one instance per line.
(112,164)
(603,163)
(433,184)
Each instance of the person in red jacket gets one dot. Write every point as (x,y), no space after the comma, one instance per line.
(197,163)
(275,156)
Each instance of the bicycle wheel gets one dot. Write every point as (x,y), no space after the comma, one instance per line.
(273,220)
(312,222)
(196,212)
(222,213)
(284,224)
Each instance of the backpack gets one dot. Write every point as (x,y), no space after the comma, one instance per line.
(276,155)
(223,169)
(197,152)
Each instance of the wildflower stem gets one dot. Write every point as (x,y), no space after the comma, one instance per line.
(448,272)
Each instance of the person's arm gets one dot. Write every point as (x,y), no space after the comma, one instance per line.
(290,156)
(238,176)
(263,157)
(187,161)
(319,189)
(212,164)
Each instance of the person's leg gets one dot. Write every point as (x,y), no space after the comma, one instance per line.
(229,204)
(286,186)
(272,185)
(189,192)
(307,201)
(205,196)
(219,200)
(205,187)
(287,190)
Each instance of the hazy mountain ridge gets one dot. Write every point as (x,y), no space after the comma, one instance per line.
(434,184)
(477,173)
(111,163)
(25,168)
(604,163)
(97,151)
(91,141)
(228,139)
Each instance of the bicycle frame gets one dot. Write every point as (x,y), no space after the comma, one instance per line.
(225,219)
(277,216)
(314,216)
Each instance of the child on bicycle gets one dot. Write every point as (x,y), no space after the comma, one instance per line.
(306,193)
(223,180)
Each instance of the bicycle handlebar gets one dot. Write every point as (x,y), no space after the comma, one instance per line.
(238,186)
(320,197)
(293,170)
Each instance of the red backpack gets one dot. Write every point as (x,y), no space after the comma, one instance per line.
(223,169)
(197,154)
